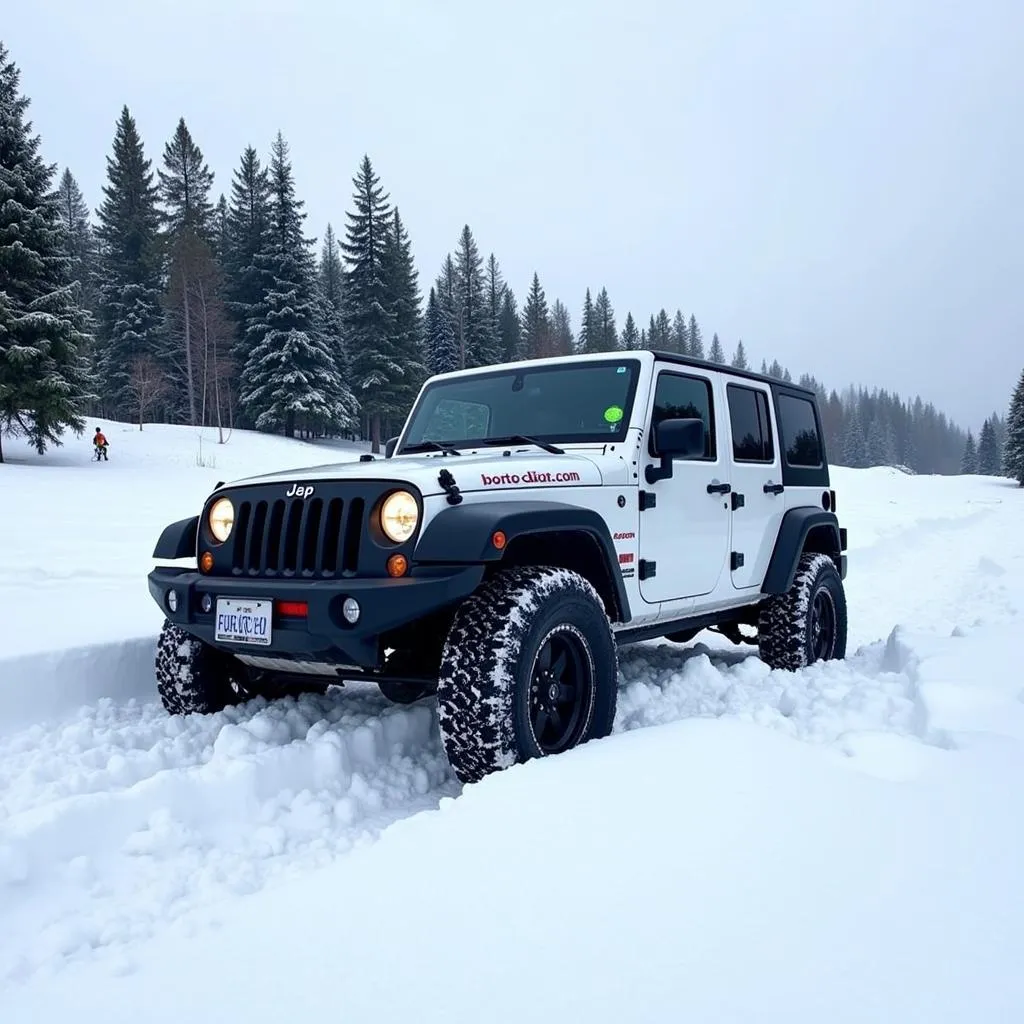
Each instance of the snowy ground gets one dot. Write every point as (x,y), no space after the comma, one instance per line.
(840,844)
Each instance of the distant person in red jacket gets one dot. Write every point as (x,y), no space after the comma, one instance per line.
(99,442)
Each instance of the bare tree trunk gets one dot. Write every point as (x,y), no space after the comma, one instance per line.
(1,447)
(375,432)
(204,316)
(188,348)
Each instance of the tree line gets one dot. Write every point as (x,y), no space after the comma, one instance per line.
(170,305)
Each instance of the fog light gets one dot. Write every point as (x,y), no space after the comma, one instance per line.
(172,600)
(206,603)
(350,609)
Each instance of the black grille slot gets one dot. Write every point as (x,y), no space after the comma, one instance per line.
(315,537)
(353,530)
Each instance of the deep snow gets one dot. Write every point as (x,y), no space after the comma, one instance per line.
(840,843)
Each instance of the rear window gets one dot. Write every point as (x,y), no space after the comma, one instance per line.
(751,427)
(798,427)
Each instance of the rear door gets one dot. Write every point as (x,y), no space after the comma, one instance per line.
(758,500)
(684,537)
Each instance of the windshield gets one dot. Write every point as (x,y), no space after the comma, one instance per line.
(579,402)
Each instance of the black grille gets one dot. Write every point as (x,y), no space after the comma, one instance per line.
(314,537)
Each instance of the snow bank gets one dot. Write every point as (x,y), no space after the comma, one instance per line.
(80,534)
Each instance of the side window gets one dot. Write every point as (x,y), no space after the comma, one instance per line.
(680,397)
(798,427)
(751,427)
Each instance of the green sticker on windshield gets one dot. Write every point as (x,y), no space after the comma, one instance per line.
(613,414)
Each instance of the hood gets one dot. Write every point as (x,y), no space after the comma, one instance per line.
(487,470)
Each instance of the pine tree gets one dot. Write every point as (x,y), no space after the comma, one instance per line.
(331,275)
(588,330)
(290,379)
(79,240)
(476,329)
(561,330)
(536,323)
(969,462)
(1013,450)
(404,308)
(442,347)
(185,184)
(630,336)
(376,359)
(988,453)
(855,455)
(739,360)
(44,380)
(494,289)
(510,331)
(696,339)
(680,334)
(130,266)
(248,228)
(604,322)
(662,331)
(716,353)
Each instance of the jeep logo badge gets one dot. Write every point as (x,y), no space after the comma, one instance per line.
(300,491)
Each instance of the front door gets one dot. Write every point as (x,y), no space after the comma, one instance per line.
(756,482)
(686,534)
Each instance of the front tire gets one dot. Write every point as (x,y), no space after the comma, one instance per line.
(530,668)
(194,678)
(808,622)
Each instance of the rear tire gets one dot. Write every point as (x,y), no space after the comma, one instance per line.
(194,678)
(530,668)
(808,622)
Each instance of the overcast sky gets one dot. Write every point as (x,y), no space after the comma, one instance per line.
(837,183)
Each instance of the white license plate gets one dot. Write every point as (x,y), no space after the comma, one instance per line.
(241,621)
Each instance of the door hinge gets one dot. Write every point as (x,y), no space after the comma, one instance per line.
(738,501)
(648,499)
(736,561)
(645,570)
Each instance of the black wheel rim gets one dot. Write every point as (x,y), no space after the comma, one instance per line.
(822,625)
(561,690)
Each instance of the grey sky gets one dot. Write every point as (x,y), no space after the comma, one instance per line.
(838,183)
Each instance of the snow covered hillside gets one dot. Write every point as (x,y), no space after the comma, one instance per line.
(839,844)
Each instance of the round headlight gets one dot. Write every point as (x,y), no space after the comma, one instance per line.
(398,516)
(221,518)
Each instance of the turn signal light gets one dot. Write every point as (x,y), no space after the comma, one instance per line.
(206,562)
(397,565)
(499,540)
(295,609)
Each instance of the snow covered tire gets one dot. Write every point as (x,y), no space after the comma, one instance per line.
(193,677)
(808,622)
(531,645)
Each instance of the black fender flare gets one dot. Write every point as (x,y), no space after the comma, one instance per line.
(463,534)
(796,526)
(178,540)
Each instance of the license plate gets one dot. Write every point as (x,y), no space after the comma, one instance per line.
(242,621)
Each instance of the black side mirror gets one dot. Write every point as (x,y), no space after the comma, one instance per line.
(389,447)
(676,439)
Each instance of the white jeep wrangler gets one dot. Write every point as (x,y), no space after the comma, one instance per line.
(529,518)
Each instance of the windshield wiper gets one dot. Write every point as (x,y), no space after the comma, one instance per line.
(431,446)
(522,439)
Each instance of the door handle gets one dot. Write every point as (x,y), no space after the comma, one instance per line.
(773,488)
(719,488)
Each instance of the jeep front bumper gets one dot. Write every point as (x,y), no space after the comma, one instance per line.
(322,634)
